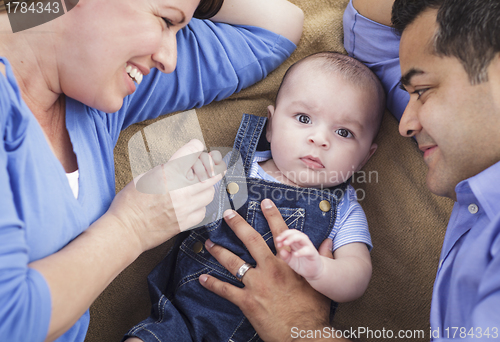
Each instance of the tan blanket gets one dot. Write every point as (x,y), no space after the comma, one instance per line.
(407,223)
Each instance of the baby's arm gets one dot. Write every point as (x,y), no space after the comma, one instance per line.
(342,279)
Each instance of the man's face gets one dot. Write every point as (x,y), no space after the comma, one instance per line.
(456,124)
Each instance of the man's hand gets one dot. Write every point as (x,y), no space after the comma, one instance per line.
(275,298)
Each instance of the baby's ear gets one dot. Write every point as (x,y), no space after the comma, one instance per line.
(373,148)
(270,113)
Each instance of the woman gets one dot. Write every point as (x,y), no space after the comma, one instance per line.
(61,246)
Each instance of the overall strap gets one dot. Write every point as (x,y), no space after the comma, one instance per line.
(247,139)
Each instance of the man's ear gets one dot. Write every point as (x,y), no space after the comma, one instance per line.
(494,78)
(270,113)
(373,148)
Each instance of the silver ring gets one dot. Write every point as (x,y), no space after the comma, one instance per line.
(242,270)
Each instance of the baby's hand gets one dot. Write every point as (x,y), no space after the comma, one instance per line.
(207,166)
(303,257)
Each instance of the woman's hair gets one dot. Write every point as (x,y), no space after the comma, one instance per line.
(206,9)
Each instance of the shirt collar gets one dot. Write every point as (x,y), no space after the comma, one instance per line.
(486,188)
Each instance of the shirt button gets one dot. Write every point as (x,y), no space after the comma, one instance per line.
(325,206)
(473,208)
(232,188)
(197,247)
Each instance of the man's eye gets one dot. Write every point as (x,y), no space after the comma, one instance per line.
(302,118)
(420,92)
(344,133)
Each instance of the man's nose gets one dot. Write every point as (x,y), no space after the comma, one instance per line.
(165,58)
(410,124)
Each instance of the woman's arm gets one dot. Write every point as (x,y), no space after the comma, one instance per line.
(135,222)
(278,16)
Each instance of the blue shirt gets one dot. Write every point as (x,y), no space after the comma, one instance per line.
(466,292)
(377,46)
(467,287)
(39,214)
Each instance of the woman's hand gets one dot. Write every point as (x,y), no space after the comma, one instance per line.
(171,197)
(275,299)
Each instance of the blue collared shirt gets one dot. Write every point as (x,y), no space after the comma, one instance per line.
(466,296)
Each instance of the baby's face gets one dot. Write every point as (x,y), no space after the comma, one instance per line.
(321,130)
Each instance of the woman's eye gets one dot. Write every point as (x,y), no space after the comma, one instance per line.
(302,118)
(168,22)
(344,133)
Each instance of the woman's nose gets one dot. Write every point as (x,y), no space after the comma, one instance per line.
(166,57)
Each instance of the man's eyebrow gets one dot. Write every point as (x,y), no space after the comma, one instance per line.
(406,78)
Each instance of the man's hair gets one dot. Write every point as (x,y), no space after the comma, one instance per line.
(467,29)
(350,70)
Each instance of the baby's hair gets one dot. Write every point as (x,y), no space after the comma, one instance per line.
(351,70)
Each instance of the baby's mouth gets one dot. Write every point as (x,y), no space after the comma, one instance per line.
(134,74)
(312,162)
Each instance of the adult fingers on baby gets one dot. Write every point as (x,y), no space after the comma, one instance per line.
(249,236)
(216,156)
(200,170)
(276,223)
(226,258)
(193,148)
(208,163)
(190,199)
(223,289)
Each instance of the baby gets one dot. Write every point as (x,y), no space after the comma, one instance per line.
(327,113)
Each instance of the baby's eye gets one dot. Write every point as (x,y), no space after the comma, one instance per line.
(302,118)
(344,133)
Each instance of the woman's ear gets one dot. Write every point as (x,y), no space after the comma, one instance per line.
(270,113)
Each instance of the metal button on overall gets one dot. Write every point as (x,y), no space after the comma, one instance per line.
(197,247)
(324,205)
(232,188)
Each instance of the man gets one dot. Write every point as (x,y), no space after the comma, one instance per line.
(449,57)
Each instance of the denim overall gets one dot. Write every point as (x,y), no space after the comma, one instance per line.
(183,309)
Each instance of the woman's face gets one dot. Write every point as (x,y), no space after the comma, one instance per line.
(104,42)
